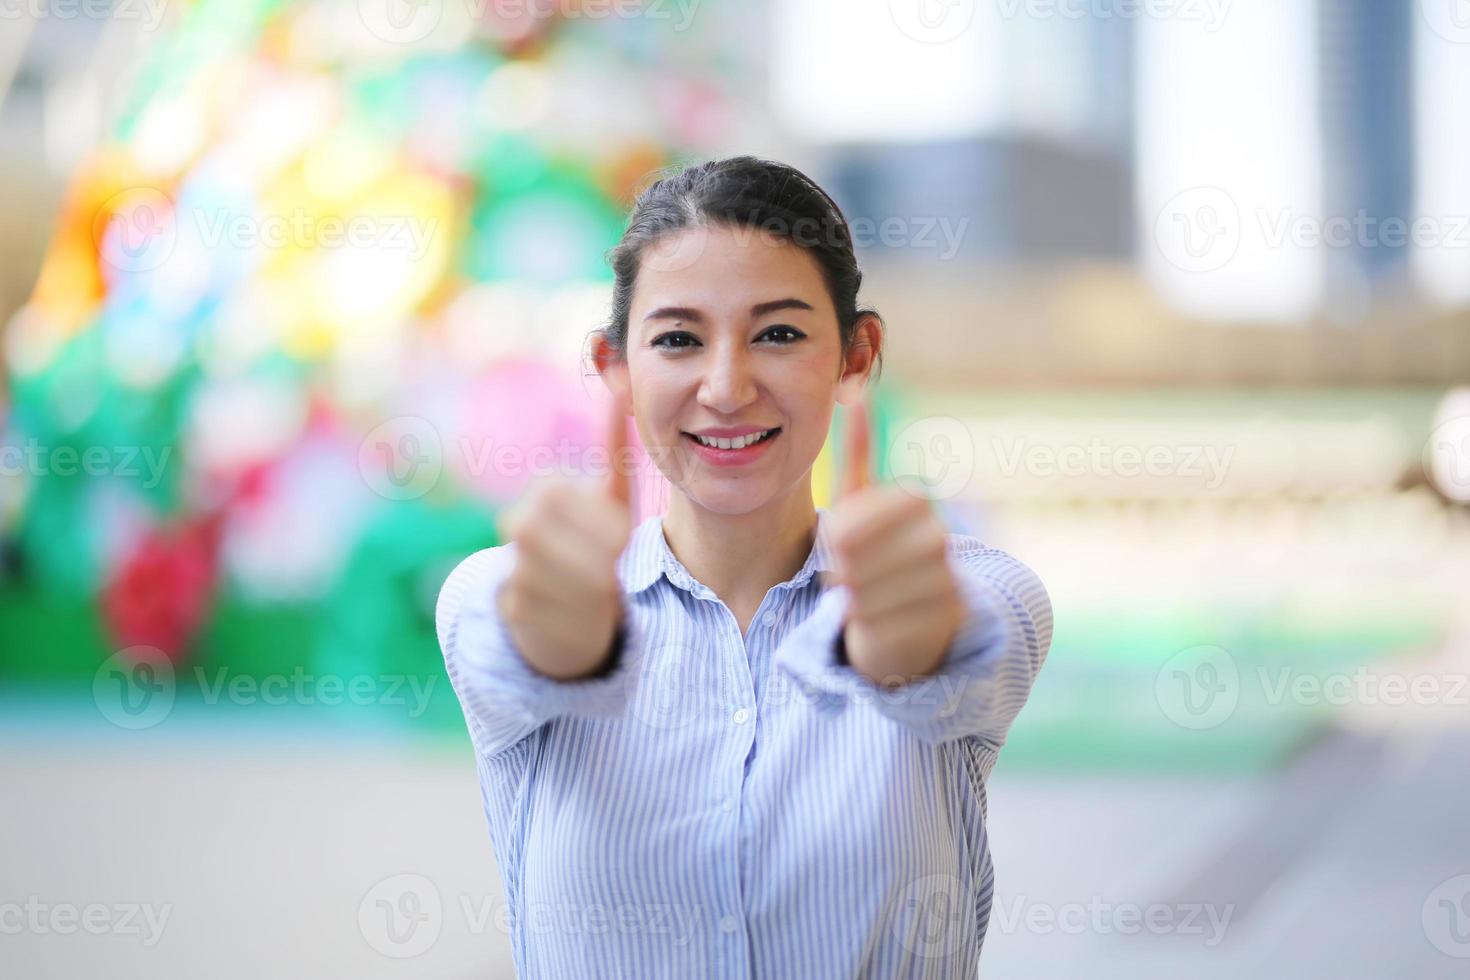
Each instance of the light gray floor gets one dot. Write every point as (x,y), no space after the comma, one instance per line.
(265,849)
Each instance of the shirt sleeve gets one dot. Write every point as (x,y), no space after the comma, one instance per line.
(503,698)
(986,673)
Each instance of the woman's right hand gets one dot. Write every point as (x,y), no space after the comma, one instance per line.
(562,601)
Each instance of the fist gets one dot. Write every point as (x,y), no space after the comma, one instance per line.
(562,601)
(889,549)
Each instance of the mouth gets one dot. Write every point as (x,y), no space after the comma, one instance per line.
(734,444)
(731,452)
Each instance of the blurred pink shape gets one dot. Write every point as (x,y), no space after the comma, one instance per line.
(522,419)
(525,420)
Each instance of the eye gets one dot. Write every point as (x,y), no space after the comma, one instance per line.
(672,335)
(786,331)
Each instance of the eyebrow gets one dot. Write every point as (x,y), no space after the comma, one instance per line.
(759,309)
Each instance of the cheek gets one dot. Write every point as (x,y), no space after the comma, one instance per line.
(657,387)
(805,388)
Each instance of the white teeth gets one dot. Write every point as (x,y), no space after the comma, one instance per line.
(737,443)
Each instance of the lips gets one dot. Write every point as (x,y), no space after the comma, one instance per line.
(764,435)
(746,455)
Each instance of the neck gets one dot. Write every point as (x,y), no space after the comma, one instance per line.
(740,557)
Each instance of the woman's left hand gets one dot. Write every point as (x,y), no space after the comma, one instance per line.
(889,549)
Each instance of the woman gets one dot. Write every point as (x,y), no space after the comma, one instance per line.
(748,738)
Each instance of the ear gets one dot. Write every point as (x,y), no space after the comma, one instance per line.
(858,362)
(613,368)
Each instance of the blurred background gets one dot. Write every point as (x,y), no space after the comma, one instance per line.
(294,296)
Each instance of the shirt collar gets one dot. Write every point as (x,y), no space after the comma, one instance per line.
(647,558)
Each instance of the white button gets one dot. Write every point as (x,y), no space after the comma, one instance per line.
(729,923)
(728,805)
(741,716)
(769,619)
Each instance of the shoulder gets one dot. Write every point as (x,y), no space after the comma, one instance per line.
(998,568)
(969,548)
(484,562)
(475,575)
(963,543)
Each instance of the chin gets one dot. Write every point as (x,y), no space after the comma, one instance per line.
(734,497)
(729,501)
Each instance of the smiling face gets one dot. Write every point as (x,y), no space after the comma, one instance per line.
(734,330)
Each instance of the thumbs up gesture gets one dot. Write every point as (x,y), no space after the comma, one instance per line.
(889,550)
(562,601)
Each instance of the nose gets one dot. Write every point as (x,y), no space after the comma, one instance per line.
(728,384)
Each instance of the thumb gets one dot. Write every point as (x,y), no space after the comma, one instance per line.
(619,479)
(857,449)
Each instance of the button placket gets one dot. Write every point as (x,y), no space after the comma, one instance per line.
(740,714)
(765,646)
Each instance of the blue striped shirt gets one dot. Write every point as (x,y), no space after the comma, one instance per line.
(719,805)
